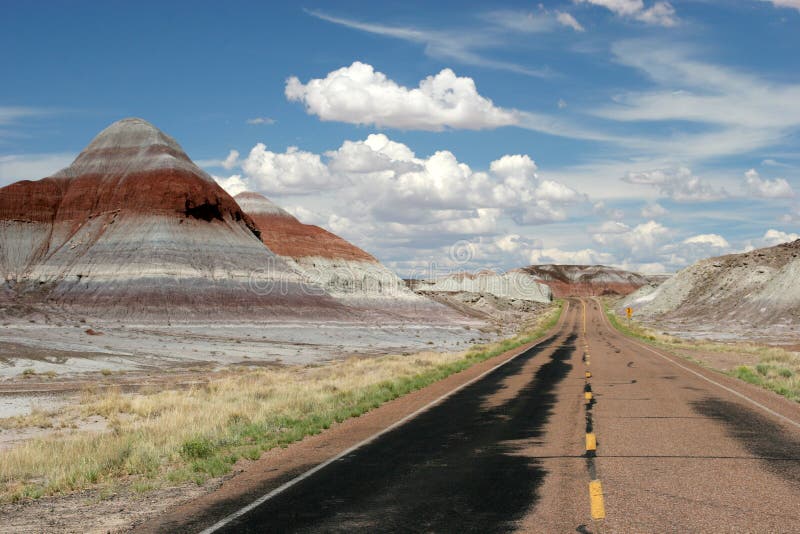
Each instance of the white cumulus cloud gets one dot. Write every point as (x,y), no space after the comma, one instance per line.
(634,244)
(711,240)
(586,256)
(677,183)
(653,211)
(764,188)
(379,190)
(231,161)
(359,94)
(774,237)
(233,184)
(293,171)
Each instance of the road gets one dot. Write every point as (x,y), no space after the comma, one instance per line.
(678,448)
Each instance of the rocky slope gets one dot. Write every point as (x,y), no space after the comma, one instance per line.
(758,288)
(345,271)
(133,228)
(586,280)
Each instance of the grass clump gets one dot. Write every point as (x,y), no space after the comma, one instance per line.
(197,448)
(197,434)
(36,419)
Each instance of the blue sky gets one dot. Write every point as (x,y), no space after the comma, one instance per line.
(644,134)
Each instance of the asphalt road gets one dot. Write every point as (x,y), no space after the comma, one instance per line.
(675,452)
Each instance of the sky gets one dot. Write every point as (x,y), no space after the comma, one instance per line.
(643,134)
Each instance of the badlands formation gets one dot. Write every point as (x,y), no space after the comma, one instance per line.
(586,280)
(134,229)
(751,294)
(133,258)
(326,260)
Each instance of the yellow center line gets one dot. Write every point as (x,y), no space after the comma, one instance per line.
(596,500)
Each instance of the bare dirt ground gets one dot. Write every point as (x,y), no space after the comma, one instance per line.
(93,512)
(721,361)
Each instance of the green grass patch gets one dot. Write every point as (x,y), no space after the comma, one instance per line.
(197,448)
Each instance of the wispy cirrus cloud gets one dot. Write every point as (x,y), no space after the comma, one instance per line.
(566,19)
(541,20)
(739,112)
(658,13)
(466,47)
(13,114)
(17,167)
(733,112)
(260,120)
(792,4)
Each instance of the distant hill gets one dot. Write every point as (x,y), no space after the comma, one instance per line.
(587,280)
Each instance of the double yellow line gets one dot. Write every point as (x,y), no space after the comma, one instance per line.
(596,500)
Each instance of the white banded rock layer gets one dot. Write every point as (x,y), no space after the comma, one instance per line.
(325,259)
(511,285)
(133,228)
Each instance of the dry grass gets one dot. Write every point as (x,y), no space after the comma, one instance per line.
(36,419)
(778,369)
(174,436)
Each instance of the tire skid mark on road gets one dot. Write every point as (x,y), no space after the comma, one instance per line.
(779,451)
(538,393)
(742,396)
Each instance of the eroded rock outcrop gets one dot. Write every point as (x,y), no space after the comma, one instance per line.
(732,292)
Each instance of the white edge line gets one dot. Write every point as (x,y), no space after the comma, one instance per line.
(701,375)
(280,489)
